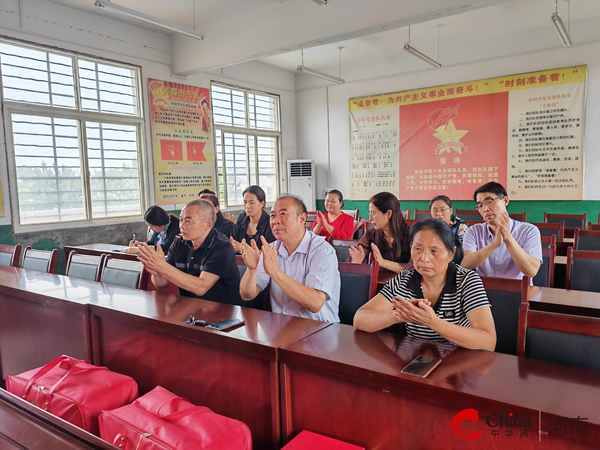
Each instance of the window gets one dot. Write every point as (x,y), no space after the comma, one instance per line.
(73,128)
(247,141)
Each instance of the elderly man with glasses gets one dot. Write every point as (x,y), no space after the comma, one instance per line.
(500,247)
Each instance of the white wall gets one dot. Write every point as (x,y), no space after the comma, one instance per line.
(322,112)
(65,28)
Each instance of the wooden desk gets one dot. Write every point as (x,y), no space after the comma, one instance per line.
(41,317)
(234,373)
(24,426)
(565,301)
(347,384)
(383,277)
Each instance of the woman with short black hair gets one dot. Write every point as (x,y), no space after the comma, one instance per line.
(437,299)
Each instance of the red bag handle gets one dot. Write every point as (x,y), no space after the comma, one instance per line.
(181,413)
(67,360)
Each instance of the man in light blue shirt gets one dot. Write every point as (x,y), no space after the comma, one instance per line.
(300,266)
(500,247)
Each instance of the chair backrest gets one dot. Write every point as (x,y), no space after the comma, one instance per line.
(521,217)
(422,214)
(358,284)
(406,213)
(364,225)
(261,300)
(593,226)
(545,276)
(583,267)
(505,296)
(549,229)
(411,222)
(86,267)
(40,260)
(571,221)
(311,216)
(547,241)
(309,224)
(351,212)
(586,240)
(10,255)
(123,272)
(341,247)
(560,338)
(469,214)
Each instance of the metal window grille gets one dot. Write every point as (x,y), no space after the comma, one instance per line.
(75,127)
(247,142)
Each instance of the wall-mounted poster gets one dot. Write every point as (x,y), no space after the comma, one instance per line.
(182,143)
(524,131)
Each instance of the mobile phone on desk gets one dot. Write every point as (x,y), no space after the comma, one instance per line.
(226,324)
(422,366)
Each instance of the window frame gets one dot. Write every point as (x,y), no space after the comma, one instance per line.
(81,116)
(248,132)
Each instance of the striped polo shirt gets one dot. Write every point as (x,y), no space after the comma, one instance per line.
(463,293)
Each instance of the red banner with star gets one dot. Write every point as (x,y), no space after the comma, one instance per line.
(524,131)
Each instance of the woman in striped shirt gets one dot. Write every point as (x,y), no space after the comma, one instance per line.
(437,299)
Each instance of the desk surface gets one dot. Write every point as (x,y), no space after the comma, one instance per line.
(565,301)
(367,366)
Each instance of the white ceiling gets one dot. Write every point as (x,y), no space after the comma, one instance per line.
(371,32)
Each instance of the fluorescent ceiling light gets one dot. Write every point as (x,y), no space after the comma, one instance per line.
(562,32)
(316,73)
(320,2)
(117,9)
(413,51)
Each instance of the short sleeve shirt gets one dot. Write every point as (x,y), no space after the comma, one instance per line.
(314,264)
(463,293)
(216,256)
(500,263)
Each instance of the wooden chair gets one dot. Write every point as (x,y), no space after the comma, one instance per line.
(583,267)
(262,300)
(351,212)
(86,267)
(547,241)
(361,228)
(559,338)
(521,217)
(309,224)
(358,284)
(311,216)
(586,240)
(406,213)
(571,221)
(593,226)
(549,229)
(505,296)
(40,260)
(10,255)
(422,214)
(341,248)
(411,222)
(472,222)
(545,276)
(124,272)
(469,214)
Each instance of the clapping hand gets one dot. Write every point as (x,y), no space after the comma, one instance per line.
(357,254)
(250,254)
(236,245)
(231,217)
(269,257)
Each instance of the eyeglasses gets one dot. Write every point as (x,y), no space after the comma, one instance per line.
(441,210)
(488,201)
(372,214)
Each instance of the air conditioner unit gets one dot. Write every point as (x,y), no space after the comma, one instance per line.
(301,181)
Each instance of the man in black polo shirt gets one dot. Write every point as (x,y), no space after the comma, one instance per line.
(201,262)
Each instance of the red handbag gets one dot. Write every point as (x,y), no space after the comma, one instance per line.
(74,390)
(160,420)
